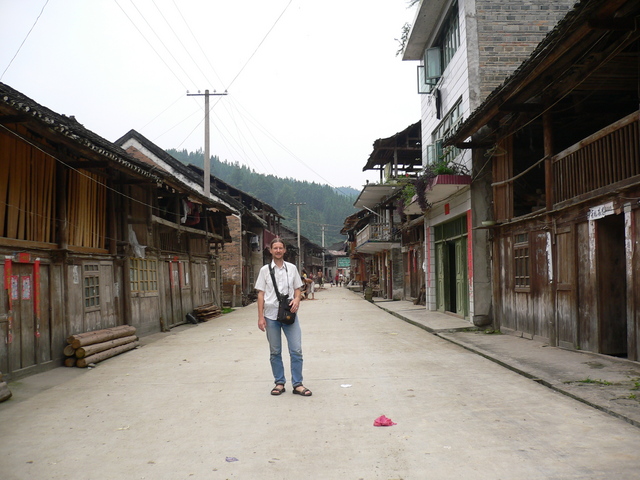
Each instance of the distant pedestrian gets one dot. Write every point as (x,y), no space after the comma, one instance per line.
(288,282)
(309,285)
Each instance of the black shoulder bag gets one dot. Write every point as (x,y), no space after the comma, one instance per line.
(285,315)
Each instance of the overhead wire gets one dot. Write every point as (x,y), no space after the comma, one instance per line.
(151,45)
(162,42)
(78,171)
(259,45)
(550,106)
(241,69)
(255,141)
(198,43)
(242,140)
(228,138)
(204,75)
(287,150)
(172,104)
(25,39)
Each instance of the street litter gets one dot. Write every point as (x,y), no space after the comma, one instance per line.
(231,459)
(383,421)
(345,385)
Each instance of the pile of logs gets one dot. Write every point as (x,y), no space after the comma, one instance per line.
(5,393)
(93,347)
(207,312)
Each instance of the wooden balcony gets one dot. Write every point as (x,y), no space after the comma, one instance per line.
(600,161)
(374,238)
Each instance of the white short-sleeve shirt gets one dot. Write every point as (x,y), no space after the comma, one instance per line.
(288,281)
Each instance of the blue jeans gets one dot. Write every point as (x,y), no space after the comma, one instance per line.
(294,342)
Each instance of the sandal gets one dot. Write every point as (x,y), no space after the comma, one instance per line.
(278,391)
(305,392)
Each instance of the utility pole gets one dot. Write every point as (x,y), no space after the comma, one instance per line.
(323,272)
(207,154)
(299,251)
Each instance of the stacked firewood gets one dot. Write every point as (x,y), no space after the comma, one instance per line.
(5,393)
(207,312)
(93,347)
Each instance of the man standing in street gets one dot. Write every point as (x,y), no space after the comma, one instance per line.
(288,282)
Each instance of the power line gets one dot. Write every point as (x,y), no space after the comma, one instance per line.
(197,43)
(25,39)
(259,45)
(149,43)
(179,40)
(151,121)
(162,42)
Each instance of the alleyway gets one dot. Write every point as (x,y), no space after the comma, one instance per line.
(195,403)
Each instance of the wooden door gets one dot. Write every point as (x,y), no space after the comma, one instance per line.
(108,306)
(566,295)
(442,267)
(174,295)
(462,294)
(28,333)
(612,285)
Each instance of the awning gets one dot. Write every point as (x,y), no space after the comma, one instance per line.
(372,195)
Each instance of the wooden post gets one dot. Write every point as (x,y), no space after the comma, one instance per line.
(547,122)
(547,126)
(112,226)
(61,200)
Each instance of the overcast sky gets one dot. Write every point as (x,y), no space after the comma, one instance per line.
(311,84)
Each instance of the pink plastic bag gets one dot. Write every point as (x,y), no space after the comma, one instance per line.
(383,421)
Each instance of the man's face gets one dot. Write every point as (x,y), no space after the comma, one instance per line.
(277,250)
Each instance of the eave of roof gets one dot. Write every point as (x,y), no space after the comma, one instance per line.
(404,149)
(71,129)
(428,18)
(175,170)
(371,195)
(226,186)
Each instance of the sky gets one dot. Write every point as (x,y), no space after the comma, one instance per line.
(310,85)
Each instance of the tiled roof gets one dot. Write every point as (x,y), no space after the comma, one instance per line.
(70,128)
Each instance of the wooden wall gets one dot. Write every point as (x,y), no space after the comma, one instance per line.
(30,343)
(27,184)
(585,286)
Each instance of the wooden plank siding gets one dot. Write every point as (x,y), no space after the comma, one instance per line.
(607,157)
(27,204)
(566,289)
(502,171)
(87,209)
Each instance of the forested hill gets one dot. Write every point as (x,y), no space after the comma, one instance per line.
(324,205)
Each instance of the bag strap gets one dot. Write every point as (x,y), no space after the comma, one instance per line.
(273,279)
(275,284)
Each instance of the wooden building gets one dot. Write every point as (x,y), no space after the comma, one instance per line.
(184,235)
(378,256)
(561,137)
(464,49)
(81,222)
(251,230)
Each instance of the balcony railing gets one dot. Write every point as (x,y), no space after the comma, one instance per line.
(600,160)
(374,232)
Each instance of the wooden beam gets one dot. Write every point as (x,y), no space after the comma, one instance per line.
(86,165)
(625,24)
(4,119)
(521,107)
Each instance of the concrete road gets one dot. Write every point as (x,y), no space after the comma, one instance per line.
(194,404)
